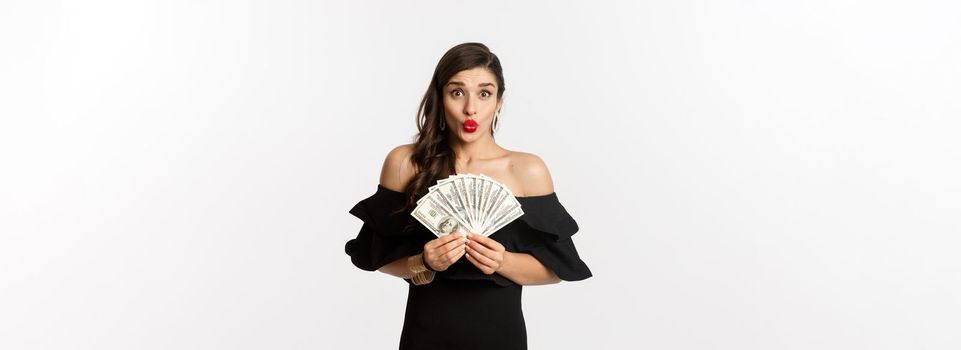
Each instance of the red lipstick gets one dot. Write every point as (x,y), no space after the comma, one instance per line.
(470,125)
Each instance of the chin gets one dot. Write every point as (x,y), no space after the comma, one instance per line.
(469,136)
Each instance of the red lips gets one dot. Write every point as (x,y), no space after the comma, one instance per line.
(470,125)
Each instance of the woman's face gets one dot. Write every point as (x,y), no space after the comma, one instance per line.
(471,94)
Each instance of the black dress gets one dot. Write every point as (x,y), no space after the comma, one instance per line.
(463,308)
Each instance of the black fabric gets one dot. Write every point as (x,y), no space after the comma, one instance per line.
(463,315)
(386,235)
(544,231)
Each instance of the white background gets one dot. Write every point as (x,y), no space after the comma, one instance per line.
(746,174)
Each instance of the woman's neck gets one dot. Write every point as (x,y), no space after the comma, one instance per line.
(484,148)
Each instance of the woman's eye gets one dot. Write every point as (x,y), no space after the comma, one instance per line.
(457,93)
(485,94)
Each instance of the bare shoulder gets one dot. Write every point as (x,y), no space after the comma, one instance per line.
(531,171)
(398,168)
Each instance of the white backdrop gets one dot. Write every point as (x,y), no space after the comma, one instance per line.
(746,174)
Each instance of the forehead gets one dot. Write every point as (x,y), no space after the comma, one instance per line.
(474,76)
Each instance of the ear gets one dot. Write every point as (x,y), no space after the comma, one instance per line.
(500,102)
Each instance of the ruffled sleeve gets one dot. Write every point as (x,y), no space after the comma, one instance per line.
(387,235)
(548,230)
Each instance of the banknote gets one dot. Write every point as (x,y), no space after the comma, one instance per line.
(467,203)
(438,217)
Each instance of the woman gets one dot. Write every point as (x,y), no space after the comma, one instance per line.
(465,292)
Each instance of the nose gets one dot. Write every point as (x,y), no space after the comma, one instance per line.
(469,107)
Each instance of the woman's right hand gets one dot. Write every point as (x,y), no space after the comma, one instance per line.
(442,252)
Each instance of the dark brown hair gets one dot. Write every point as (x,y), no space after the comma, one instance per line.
(432,155)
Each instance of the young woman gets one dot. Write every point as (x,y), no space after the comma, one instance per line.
(465,292)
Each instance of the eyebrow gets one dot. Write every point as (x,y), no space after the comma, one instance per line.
(478,85)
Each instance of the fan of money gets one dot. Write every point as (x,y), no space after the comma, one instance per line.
(467,203)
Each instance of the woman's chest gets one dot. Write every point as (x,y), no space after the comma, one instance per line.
(499,172)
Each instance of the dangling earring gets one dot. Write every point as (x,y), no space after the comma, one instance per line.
(496,114)
(443,125)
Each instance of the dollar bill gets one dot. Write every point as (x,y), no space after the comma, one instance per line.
(467,203)
(434,219)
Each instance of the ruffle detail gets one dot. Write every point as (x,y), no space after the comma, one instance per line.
(546,214)
(546,231)
(387,235)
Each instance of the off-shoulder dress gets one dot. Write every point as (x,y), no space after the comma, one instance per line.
(463,308)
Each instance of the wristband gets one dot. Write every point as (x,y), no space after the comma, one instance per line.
(423,260)
(422,275)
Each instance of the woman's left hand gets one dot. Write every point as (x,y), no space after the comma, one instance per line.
(485,253)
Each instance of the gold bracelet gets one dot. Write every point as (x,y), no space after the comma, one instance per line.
(423,278)
(421,274)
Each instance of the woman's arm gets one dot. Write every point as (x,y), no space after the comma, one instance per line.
(398,169)
(397,268)
(522,268)
(525,270)
(438,253)
(394,175)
